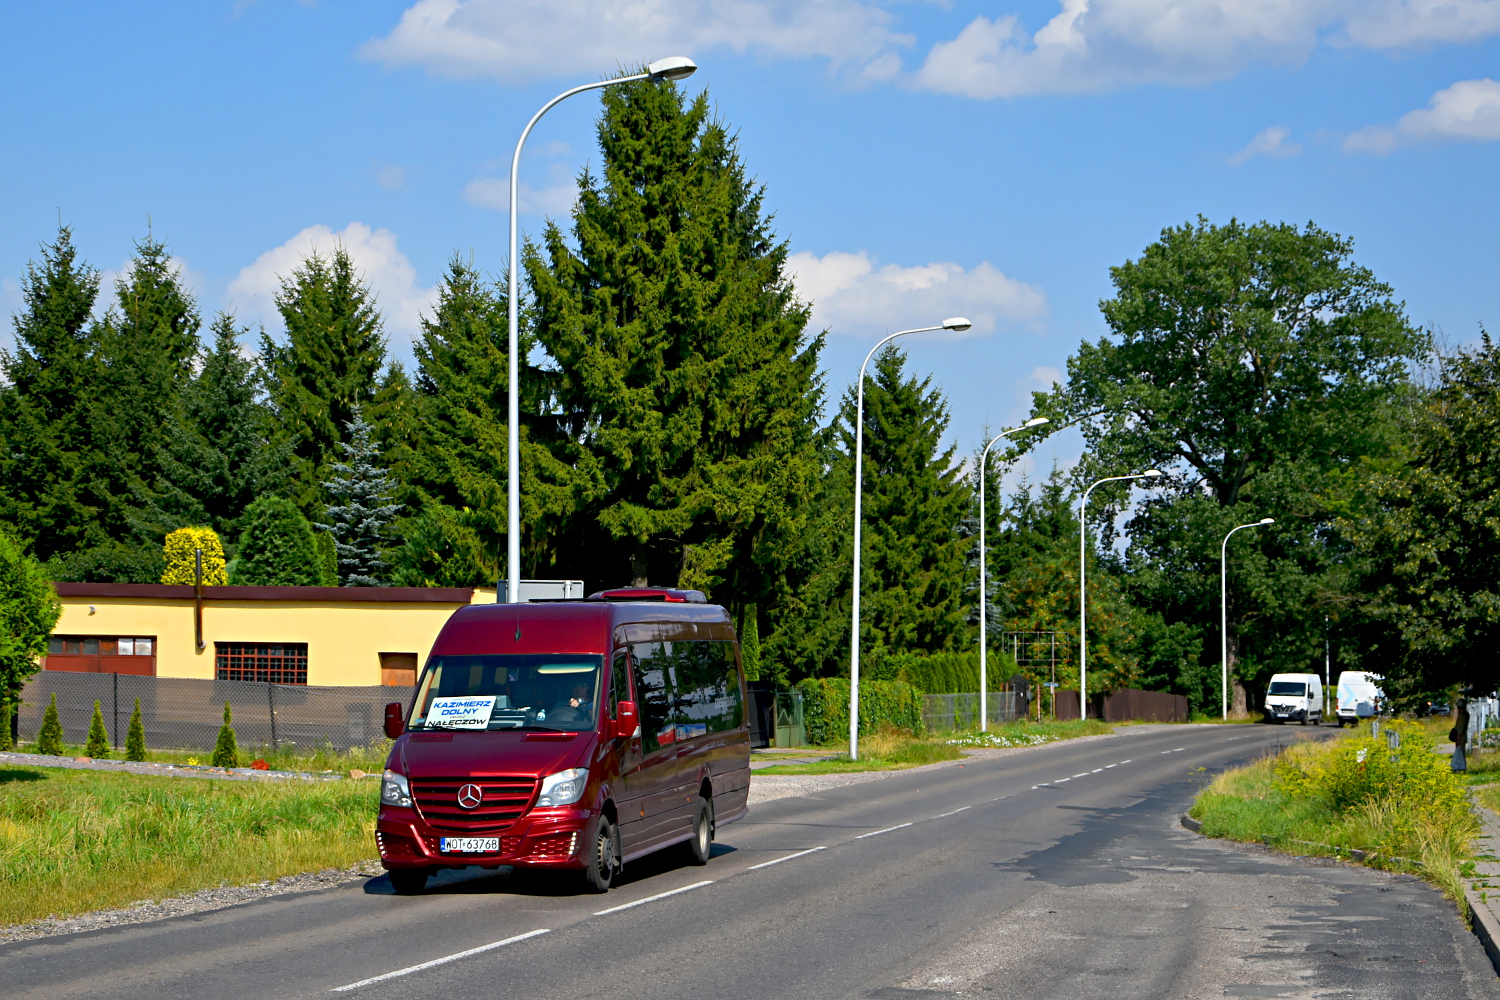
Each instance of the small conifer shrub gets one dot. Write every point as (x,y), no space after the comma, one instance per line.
(135,736)
(49,738)
(226,751)
(6,743)
(98,745)
(180,552)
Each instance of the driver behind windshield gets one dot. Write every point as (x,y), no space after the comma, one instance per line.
(574,709)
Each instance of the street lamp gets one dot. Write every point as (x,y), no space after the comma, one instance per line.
(984,715)
(1083,535)
(952,323)
(671,68)
(1224,612)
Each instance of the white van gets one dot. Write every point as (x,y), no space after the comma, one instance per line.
(1295,696)
(1359,696)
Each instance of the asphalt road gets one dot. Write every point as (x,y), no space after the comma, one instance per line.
(1059,873)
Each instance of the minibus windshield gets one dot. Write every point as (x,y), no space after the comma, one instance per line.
(538,691)
(1288,687)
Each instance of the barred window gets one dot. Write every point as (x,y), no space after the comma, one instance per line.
(272,662)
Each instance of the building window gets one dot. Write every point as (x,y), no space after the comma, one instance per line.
(267,662)
(98,645)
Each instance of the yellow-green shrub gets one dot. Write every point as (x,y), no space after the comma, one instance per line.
(179,549)
(1364,768)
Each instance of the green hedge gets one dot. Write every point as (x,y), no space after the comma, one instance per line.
(951,673)
(825,708)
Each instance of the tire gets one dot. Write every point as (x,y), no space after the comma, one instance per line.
(408,881)
(700,848)
(603,861)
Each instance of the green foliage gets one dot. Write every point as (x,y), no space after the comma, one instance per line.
(326,368)
(181,556)
(49,739)
(110,562)
(682,391)
(226,751)
(28,614)
(328,559)
(98,742)
(750,643)
(135,736)
(276,546)
(443,547)
(359,518)
(882,704)
(7,713)
(1363,767)
(947,673)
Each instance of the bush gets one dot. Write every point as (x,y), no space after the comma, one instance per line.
(276,547)
(179,552)
(49,739)
(882,704)
(750,644)
(226,751)
(111,562)
(328,559)
(1364,768)
(98,744)
(135,736)
(28,614)
(948,673)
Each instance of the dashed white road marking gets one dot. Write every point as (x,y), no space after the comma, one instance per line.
(652,899)
(1081,774)
(888,829)
(767,864)
(955,812)
(1061,780)
(448,958)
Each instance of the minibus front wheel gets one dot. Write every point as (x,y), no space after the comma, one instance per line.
(603,862)
(701,846)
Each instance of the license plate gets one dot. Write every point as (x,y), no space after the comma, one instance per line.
(468,845)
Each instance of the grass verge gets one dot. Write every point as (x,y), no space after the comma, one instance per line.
(74,841)
(894,751)
(1401,805)
(369,758)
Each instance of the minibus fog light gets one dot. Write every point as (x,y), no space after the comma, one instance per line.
(394,790)
(563,788)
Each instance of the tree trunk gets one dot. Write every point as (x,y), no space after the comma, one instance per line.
(1239,700)
(638,568)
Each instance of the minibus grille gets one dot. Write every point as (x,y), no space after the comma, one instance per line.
(505,800)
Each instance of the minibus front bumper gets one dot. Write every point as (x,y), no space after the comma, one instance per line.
(543,838)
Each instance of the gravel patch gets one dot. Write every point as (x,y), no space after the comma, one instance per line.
(198,902)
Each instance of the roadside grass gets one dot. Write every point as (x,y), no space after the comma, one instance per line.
(891,750)
(1214,718)
(369,758)
(74,841)
(1352,793)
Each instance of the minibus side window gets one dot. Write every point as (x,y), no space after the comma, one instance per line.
(653,692)
(619,687)
(707,688)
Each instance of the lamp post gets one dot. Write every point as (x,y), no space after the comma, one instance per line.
(1083,536)
(984,714)
(1224,612)
(671,68)
(952,323)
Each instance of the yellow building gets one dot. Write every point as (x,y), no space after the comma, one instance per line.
(356,636)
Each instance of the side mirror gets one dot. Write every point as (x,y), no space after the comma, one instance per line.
(394,724)
(627,721)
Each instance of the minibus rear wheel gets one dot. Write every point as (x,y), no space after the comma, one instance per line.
(702,844)
(604,860)
(408,881)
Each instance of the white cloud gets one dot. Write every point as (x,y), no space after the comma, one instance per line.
(391,177)
(1468,110)
(1094,45)
(385,268)
(850,294)
(1269,142)
(521,40)
(494,192)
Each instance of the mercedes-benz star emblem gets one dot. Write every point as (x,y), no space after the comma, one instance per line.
(469,796)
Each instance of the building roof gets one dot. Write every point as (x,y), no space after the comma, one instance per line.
(339,595)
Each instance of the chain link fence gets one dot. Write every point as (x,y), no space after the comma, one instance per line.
(949,713)
(182,713)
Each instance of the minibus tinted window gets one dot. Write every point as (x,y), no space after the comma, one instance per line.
(1292,688)
(685,689)
(514,691)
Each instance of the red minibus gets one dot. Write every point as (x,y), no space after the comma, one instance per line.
(572,735)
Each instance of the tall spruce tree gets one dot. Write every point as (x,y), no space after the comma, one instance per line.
(359,518)
(684,392)
(44,404)
(326,368)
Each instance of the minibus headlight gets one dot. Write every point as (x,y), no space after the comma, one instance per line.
(563,788)
(394,790)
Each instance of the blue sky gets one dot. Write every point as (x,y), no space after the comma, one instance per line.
(990,158)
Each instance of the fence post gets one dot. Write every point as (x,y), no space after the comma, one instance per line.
(271,700)
(116,728)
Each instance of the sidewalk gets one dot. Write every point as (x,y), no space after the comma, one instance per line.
(1483,890)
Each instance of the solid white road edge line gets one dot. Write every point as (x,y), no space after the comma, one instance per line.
(888,829)
(651,899)
(767,864)
(953,813)
(440,961)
